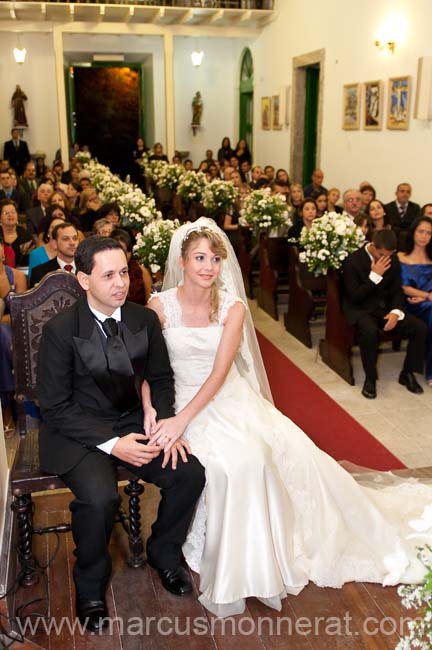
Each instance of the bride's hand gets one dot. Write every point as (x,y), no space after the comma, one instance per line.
(167,432)
(150,415)
(180,447)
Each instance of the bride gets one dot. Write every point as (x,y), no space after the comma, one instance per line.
(276,511)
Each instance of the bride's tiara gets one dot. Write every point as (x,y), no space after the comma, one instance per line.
(197,229)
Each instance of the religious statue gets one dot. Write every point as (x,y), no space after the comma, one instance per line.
(197,109)
(17,103)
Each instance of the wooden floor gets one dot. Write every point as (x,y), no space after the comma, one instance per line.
(146,616)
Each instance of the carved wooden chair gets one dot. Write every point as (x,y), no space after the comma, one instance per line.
(29,312)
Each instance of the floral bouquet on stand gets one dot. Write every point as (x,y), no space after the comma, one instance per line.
(137,209)
(329,240)
(154,170)
(83,157)
(265,211)
(152,244)
(192,186)
(218,197)
(169,177)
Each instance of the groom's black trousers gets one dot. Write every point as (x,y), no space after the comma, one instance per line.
(94,484)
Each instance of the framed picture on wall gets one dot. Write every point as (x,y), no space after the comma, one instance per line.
(351,106)
(373,105)
(276,125)
(398,105)
(265,113)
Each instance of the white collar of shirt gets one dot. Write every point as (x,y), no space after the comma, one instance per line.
(102,317)
(367,251)
(400,206)
(62,264)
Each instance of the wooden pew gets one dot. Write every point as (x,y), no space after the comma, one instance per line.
(306,297)
(273,274)
(244,247)
(29,312)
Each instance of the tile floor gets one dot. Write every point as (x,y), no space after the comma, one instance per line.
(401,421)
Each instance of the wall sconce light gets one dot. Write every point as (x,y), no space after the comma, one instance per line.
(197,57)
(390,45)
(19,54)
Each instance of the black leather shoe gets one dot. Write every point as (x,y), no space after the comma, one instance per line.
(369,389)
(93,614)
(407,379)
(177,581)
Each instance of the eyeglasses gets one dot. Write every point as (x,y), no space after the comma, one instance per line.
(8,213)
(353,200)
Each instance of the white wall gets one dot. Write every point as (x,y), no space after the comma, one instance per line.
(217,79)
(346,29)
(37,78)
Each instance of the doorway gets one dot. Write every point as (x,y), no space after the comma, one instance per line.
(105,111)
(307,115)
(246,99)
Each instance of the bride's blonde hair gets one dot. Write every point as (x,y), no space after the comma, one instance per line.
(217,246)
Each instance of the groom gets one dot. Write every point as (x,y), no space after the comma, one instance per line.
(93,358)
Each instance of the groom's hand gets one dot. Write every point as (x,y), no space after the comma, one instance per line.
(131,450)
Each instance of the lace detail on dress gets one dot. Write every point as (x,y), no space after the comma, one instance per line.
(171,307)
(227,300)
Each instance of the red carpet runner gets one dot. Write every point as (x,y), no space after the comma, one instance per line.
(324,421)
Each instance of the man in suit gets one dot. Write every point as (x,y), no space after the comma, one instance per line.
(352,203)
(16,151)
(93,359)
(315,188)
(28,185)
(402,212)
(373,301)
(36,214)
(64,240)
(8,191)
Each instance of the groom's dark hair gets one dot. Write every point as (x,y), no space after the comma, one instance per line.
(87,249)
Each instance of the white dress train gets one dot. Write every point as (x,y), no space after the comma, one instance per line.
(277,511)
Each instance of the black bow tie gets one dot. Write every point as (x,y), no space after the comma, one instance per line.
(110,327)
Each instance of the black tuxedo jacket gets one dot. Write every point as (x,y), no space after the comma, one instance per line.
(392,212)
(27,191)
(362,296)
(40,271)
(34,217)
(17,157)
(74,385)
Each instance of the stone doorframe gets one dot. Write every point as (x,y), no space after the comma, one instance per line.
(300,63)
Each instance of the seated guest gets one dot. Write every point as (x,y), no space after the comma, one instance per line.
(426,210)
(402,212)
(236,179)
(234,163)
(308,213)
(41,168)
(73,193)
(258,177)
(44,251)
(188,165)
(140,280)
(416,269)
(321,201)
(368,194)
(377,213)
(269,172)
(103,227)
(14,235)
(295,200)
(89,207)
(11,281)
(333,197)
(9,191)
(112,212)
(282,175)
(363,222)
(213,172)
(316,186)
(352,203)
(225,152)
(158,153)
(37,213)
(231,220)
(245,171)
(373,302)
(61,213)
(64,240)
(27,185)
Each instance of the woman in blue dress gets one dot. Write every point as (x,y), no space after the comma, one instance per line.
(416,268)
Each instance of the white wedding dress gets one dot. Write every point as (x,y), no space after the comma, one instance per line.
(277,511)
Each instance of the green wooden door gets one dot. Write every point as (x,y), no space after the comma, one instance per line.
(246,99)
(310,122)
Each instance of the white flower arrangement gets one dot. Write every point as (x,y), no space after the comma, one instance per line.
(419,597)
(169,177)
(263,210)
(154,170)
(192,186)
(219,196)
(152,245)
(83,157)
(136,208)
(329,240)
